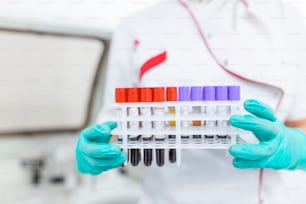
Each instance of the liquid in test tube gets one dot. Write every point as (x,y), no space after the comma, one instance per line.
(196,95)
(184,95)
(209,111)
(222,110)
(172,97)
(146,97)
(133,97)
(159,96)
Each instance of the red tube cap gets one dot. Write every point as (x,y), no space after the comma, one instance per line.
(133,94)
(171,94)
(120,95)
(145,95)
(159,94)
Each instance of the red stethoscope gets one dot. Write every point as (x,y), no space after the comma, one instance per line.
(202,35)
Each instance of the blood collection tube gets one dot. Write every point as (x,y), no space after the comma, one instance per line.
(184,95)
(196,95)
(172,97)
(146,97)
(120,97)
(234,95)
(159,96)
(133,97)
(222,110)
(209,111)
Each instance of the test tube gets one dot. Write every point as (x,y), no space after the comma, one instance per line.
(146,96)
(159,96)
(172,96)
(133,97)
(209,95)
(196,95)
(184,95)
(222,110)
(234,95)
(120,97)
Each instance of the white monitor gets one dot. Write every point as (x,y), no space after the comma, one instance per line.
(46,80)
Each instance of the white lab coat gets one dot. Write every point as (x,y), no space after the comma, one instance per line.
(263,42)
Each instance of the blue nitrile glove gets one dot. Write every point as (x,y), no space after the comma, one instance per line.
(279,147)
(94,153)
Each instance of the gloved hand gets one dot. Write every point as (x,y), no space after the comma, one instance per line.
(279,147)
(94,154)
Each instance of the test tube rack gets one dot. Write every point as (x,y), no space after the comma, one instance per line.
(183,128)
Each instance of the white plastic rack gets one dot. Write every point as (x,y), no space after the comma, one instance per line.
(220,135)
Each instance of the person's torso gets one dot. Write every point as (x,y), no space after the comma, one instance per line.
(243,46)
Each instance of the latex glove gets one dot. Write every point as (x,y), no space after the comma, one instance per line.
(94,154)
(279,147)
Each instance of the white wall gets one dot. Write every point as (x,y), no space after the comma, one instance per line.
(97,16)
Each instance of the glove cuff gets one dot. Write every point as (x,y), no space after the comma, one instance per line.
(301,149)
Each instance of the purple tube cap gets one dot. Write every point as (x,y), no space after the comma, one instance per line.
(234,93)
(184,93)
(209,93)
(221,93)
(196,93)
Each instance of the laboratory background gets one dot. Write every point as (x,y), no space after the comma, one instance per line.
(53,56)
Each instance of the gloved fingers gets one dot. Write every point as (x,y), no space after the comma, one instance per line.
(248,164)
(99,150)
(108,163)
(263,129)
(84,167)
(252,151)
(111,124)
(99,133)
(90,170)
(260,109)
